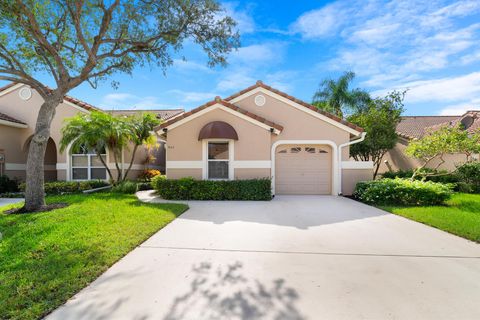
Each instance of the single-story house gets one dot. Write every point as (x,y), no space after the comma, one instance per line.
(19,105)
(415,127)
(261,132)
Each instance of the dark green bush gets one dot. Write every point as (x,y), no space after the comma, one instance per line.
(141,186)
(63,187)
(8,185)
(191,189)
(441,176)
(402,192)
(469,175)
(127,187)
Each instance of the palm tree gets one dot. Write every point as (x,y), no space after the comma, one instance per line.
(96,131)
(334,96)
(140,133)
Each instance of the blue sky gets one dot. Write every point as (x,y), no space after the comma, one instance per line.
(430,47)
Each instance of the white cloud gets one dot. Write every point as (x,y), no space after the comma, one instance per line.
(386,43)
(245,22)
(449,89)
(187,66)
(193,96)
(122,100)
(461,108)
(321,23)
(265,53)
(234,82)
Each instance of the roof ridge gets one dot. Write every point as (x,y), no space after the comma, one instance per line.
(226,104)
(260,84)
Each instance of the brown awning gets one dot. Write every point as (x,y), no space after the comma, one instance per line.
(217,130)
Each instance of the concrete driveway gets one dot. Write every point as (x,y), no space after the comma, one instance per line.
(296,257)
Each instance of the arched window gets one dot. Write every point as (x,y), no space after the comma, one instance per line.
(86,165)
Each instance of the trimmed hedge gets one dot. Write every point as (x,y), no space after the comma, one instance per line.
(191,189)
(402,192)
(127,187)
(63,187)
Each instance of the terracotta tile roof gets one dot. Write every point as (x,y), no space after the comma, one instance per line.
(163,114)
(260,84)
(413,127)
(80,103)
(469,118)
(226,104)
(5,117)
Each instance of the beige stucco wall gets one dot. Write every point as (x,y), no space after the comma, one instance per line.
(182,173)
(253,141)
(350,177)
(398,160)
(15,140)
(298,125)
(244,173)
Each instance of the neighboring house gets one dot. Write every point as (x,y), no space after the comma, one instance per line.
(415,127)
(261,132)
(19,107)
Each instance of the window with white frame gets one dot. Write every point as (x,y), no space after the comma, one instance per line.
(218,160)
(86,165)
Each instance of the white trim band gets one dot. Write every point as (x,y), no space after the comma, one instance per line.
(15,166)
(13,124)
(357,164)
(252,164)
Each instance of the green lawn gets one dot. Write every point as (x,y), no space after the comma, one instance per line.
(460,215)
(45,258)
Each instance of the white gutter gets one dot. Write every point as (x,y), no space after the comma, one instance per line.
(340,147)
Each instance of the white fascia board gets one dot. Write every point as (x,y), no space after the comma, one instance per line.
(184,164)
(13,124)
(297,106)
(252,164)
(68,103)
(13,88)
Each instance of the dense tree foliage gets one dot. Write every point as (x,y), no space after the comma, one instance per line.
(77,41)
(379,119)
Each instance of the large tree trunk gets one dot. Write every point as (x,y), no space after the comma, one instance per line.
(35,191)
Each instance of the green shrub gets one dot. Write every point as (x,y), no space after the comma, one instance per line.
(469,175)
(127,187)
(441,176)
(64,187)
(8,185)
(402,192)
(191,189)
(144,186)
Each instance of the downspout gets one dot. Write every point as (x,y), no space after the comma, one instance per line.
(340,147)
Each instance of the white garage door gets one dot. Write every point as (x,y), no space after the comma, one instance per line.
(303,169)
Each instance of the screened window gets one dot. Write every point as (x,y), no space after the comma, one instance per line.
(86,165)
(218,160)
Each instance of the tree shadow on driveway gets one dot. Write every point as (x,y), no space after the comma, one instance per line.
(223,292)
